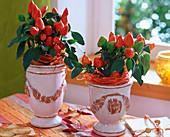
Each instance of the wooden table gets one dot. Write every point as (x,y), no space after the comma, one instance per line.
(16,109)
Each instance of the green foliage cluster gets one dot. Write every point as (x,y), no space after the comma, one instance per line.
(36,47)
(116,58)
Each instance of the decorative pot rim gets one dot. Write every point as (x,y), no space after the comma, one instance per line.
(47,66)
(111,87)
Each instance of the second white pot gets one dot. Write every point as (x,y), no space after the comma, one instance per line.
(109,104)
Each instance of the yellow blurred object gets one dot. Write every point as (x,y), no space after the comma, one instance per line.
(162,66)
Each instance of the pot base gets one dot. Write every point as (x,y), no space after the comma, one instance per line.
(46,122)
(116,129)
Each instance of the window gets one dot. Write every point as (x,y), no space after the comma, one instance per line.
(93,18)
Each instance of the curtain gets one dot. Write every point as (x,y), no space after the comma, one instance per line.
(12,74)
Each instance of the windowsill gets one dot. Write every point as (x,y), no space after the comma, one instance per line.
(152,86)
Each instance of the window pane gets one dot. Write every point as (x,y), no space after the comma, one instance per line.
(149,17)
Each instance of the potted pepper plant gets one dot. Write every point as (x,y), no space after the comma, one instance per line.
(45,49)
(108,78)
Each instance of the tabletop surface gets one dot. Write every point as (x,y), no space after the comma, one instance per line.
(16,109)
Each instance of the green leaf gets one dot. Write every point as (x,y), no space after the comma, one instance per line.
(32,22)
(15,40)
(121,71)
(45,47)
(77,36)
(145,64)
(28,57)
(23,38)
(102,41)
(76,72)
(37,53)
(129,64)
(21,18)
(136,73)
(52,52)
(147,56)
(50,15)
(73,49)
(73,56)
(71,41)
(138,46)
(67,61)
(111,45)
(146,48)
(117,65)
(20,49)
(69,27)
(114,54)
(106,55)
(76,64)
(19,30)
(98,52)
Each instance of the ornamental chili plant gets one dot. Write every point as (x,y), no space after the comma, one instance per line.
(42,37)
(115,58)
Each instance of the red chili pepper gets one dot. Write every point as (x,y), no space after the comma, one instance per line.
(64,20)
(68,121)
(58,26)
(70,130)
(40,24)
(30,7)
(119,41)
(65,13)
(112,37)
(83,113)
(34,11)
(38,14)
(34,30)
(140,38)
(64,31)
(44,9)
(128,40)
(54,10)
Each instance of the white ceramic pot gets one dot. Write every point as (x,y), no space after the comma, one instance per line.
(109,104)
(45,86)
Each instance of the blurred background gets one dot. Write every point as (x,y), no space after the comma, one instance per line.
(151,18)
